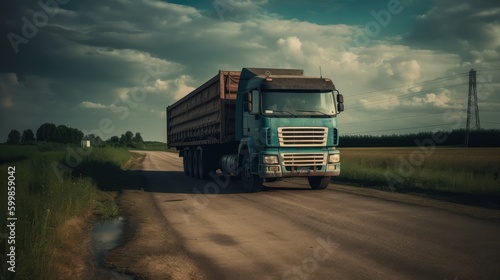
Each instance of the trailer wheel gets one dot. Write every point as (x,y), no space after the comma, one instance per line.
(202,166)
(189,159)
(185,163)
(319,183)
(251,182)
(194,163)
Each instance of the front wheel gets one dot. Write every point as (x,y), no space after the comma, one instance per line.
(251,182)
(319,183)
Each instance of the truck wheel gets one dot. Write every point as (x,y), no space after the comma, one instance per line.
(189,162)
(196,172)
(319,183)
(202,166)
(251,182)
(185,163)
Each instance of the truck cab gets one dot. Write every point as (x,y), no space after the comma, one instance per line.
(286,126)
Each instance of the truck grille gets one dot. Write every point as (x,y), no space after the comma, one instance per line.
(302,136)
(303,159)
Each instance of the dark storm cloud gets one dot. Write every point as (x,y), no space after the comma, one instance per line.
(467,27)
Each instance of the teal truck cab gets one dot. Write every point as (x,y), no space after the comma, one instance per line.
(279,124)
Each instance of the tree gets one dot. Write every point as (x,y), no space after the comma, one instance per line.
(28,136)
(14,137)
(114,141)
(62,134)
(126,139)
(74,136)
(138,138)
(46,132)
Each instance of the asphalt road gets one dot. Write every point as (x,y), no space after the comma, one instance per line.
(288,231)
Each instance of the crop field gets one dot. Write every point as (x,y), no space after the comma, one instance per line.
(155,146)
(455,170)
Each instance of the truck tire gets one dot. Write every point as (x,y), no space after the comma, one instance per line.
(202,166)
(319,183)
(251,182)
(196,171)
(185,163)
(190,162)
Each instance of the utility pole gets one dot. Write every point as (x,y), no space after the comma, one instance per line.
(473,122)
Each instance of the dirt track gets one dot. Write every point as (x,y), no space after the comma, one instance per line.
(185,228)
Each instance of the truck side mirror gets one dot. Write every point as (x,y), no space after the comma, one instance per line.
(248,102)
(340,98)
(340,102)
(248,107)
(248,97)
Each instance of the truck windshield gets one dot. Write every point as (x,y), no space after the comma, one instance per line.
(298,104)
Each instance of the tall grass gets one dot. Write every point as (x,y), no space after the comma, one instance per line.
(458,170)
(105,166)
(44,202)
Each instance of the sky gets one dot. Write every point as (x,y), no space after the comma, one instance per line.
(111,66)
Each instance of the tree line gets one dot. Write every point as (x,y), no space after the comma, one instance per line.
(49,132)
(477,138)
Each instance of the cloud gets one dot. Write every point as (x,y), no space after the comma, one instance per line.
(16,92)
(92,105)
(465,27)
(389,102)
(140,56)
(409,71)
(291,47)
(443,99)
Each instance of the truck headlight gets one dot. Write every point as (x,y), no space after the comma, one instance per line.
(333,158)
(270,159)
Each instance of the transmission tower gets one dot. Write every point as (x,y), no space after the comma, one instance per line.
(473,122)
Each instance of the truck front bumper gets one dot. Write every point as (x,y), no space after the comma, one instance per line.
(299,165)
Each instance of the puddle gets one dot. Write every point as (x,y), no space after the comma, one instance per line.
(107,235)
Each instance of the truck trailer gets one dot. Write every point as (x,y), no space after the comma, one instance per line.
(259,124)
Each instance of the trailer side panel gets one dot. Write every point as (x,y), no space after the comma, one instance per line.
(206,115)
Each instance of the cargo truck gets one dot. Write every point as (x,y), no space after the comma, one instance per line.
(259,124)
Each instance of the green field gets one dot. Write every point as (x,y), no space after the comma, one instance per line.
(155,146)
(456,170)
(53,208)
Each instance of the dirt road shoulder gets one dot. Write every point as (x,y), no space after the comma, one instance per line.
(152,249)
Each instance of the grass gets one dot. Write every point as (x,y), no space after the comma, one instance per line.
(455,170)
(155,146)
(45,203)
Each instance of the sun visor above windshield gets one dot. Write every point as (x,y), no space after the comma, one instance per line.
(296,84)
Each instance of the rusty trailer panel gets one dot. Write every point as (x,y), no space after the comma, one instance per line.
(206,115)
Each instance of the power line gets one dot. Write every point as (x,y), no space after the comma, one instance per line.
(417,83)
(405,96)
(395,129)
(488,70)
(397,118)
(404,89)
(421,92)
